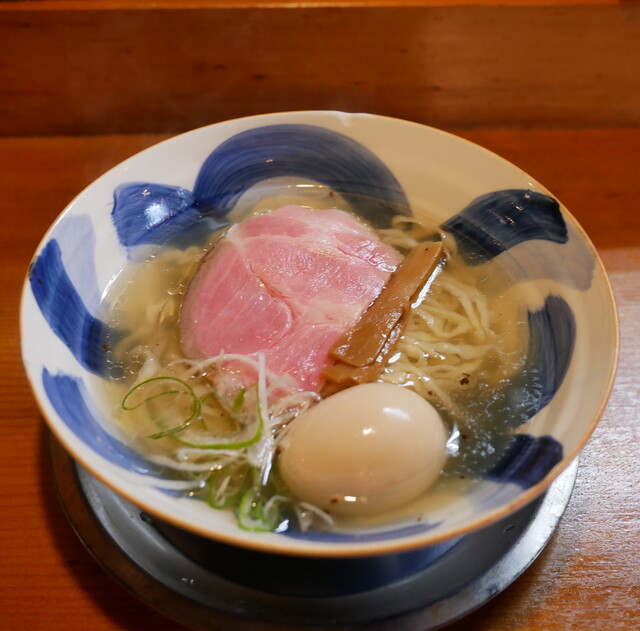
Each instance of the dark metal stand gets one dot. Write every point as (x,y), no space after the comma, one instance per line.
(209,586)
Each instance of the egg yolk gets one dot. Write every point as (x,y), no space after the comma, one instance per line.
(364,450)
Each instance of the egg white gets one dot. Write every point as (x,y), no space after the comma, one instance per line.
(364,450)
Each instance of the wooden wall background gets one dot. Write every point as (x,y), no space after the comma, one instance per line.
(102,67)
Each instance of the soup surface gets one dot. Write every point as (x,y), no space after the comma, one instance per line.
(464,344)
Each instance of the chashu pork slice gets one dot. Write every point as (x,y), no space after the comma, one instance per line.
(286,283)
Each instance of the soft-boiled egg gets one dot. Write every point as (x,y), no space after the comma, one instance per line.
(364,450)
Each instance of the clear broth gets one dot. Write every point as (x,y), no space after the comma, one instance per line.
(146,300)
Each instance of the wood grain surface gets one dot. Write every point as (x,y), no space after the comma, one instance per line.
(78,68)
(111,5)
(587,578)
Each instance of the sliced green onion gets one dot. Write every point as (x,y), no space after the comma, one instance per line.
(189,391)
(151,398)
(174,430)
(228,484)
(239,400)
(241,444)
(252,514)
(154,396)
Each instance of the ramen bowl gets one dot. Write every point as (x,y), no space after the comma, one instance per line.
(502,224)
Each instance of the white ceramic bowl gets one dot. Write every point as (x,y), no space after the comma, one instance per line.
(498,215)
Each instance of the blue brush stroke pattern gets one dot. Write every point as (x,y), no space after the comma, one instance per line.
(69,397)
(304,151)
(552,336)
(571,264)
(525,460)
(155,213)
(500,220)
(145,213)
(64,310)
(77,240)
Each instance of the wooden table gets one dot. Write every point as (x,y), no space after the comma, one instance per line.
(587,578)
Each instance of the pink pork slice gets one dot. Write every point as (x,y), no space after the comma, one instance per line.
(286,283)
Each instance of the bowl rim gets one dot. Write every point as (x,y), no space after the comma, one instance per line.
(294,547)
